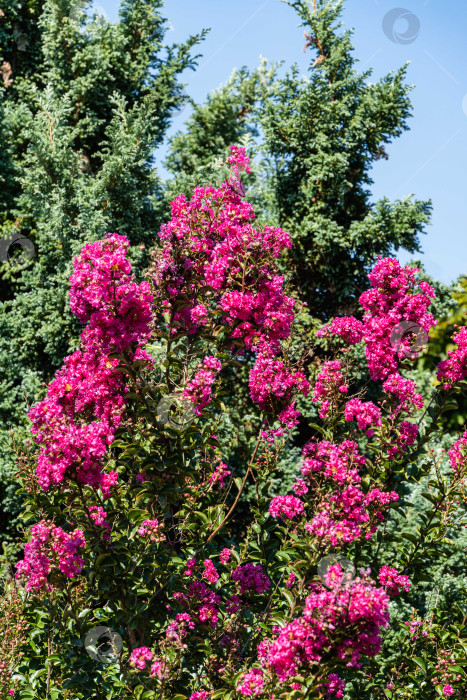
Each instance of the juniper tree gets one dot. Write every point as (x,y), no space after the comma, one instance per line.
(85,105)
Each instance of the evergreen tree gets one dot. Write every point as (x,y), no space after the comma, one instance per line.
(85,105)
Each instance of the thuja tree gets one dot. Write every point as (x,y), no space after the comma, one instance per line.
(81,130)
(132,541)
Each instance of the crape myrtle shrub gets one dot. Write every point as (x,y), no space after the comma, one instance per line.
(131,527)
(83,106)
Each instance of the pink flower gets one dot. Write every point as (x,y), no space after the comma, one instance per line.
(329,381)
(152,530)
(140,657)
(396,323)
(392,581)
(345,622)
(225,555)
(49,544)
(251,578)
(210,572)
(404,391)
(238,160)
(76,422)
(347,327)
(285,507)
(219,476)
(454,369)
(251,683)
(190,567)
(448,690)
(366,414)
(458,455)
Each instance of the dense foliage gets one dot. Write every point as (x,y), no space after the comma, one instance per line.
(132,534)
(247,476)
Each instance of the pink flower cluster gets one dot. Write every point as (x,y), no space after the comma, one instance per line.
(104,295)
(333,686)
(99,517)
(238,160)
(458,455)
(251,683)
(219,475)
(225,555)
(200,695)
(329,383)
(339,462)
(199,389)
(396,310)
(392,581)
(202,602)
(403,390)
(48,546)
(285,507)
(142,656)
(210,571)
(251,578)
(329,380)
(348,328)
(366,414)
(178,628)
(271,379)
(152,530)
(340,516)
(76,422)
(345,621)
(454,369)
(407,434)
(214,266)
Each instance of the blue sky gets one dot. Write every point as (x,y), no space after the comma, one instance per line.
(430,160)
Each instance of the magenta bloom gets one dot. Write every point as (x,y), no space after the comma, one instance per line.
(392,581)
(285,507)
(251,578)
